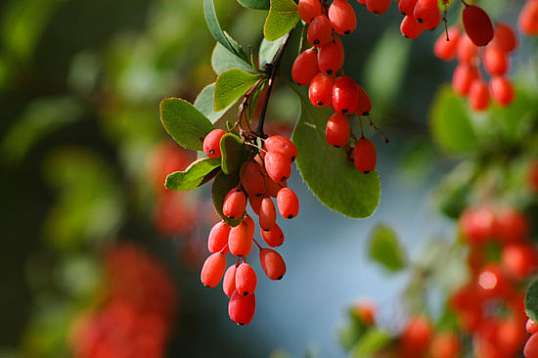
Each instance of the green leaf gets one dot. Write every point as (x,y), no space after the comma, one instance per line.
(282,18)
(184,123)
(231,85)
(223,60)
(218,34)
(384,248)
(327,171)
(205,103)
(233,153)
(531,301)
(269,50)
(371,343)
(221,186)
(255,4)
(451,125)
(196,174)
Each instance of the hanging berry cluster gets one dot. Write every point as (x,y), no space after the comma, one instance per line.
(320,68)
(262,177)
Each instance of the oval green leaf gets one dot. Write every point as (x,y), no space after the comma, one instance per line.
(223,60)
(232,85)
(233,153)
(269,50)
(384,249)
(282,18)
(221,186)
(196,174)
(205,103)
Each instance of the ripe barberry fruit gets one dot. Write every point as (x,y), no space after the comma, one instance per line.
(235,204)
(427,13)
(416,335)
(410,28)
(309,9)
(331,56)
(228,283)
(305,67)
(407,7)
(531,347)
(364,103)
(338,130)
(445,49)
(527,20)
(518,260)
(241,308)
(251,179)
(364,155)
(240,240)
(445,345)
(501,90)
(504,38)
(495,61)
(272,263)
(273,237)
(477,25)
(288,203)
(531,326)
(467,50)
(213,269)
(267,214)
(463,77)
(512,225)
(345,95)
(211,143)
(282,145)
(378,7)
(245,279)
(218,237)
(342,17)
(479,95)
(320,90)
(478,224)
(278,166)
(492,281)
(320,31)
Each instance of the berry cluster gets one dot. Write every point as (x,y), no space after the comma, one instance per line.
(262,177)
(320,68)
(419,15)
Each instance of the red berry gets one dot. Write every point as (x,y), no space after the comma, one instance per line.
(531,326)
(272,263)
(364,155)
(501,90)
(467,50)
(245,279)
(345,95)
(218,237)
(213,269)
(305,67)
(378,7)
(447,49)
(479,95)
(445,345)
(427,13)
(512,225)
(361,2)
(510,336)
(364,103)
(273,237)
(504,38)
(342,17)
(320,90)
(241,309)
(320,31)
(235,204)
(416,335)
(478,224)
(492,282)
(228,283)
(211,143)
(528,18)
(495,61)
(240,239)
(407,7)
(267,214)
(288,203)
(331,56)
(282,145)
(477,25)
(309,9)
(518,260)
(410,28)
(338,130)
(251,179)
(463,77)
(255,203)
(365,310)
(278,166)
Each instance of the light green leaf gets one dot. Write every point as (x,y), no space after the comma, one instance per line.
(221,186)
(384,249)
(327,171)
(450,123)
(196,174)
(233,153)
(223,60)
(269,50)
(231,85)
(184,123)
(205,103)
(371,343)
(255,4)
(282,18)
(531,301)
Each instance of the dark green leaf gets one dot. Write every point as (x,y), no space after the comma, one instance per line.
(198,173)
(255,4)
(269,50)
(371,343)
(531,301)
(205,103)
(223,60)
(232,85)
(221,186)
(327,171)
(184,123)
(282,18)
(233,153)
(384,248)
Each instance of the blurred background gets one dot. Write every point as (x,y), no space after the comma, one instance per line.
(88,233)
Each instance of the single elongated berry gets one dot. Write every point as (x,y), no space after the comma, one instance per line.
(251,178)
(518,260)
(228,283)
(512,225)
(416,335)
(282,145)
(410,28)
(211,143)
(213,269)
(218,237)
(495,61)
(504,38)
(278,166)
(273,237)
(272,263)
(342,17)
(331,56)
(479,95)
(255,203)
(407,7)
(251,226)
(467,50)
(527,19)
(267,214)
(364,103)
(364,155)
(235,204)
(345,95)
(240,240)
(338,130)
(477,25)
(463,77)
(446,49)
(245,279)
(288,203)
(427,13)
(501,90)
(320,90)
(320,31)
(309,9)
(241,308)
(378,7)
(478,224)
(305,67)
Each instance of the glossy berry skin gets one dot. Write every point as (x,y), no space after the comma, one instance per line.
(427,13)
(492,282)
(495,61)
(478,224)
(528,23)
(345,95)
(416,335)
(273,237)
(338,130)
(410,28)
(504,38)
(218,237)
(252,179)
(463,77)
(531,347)
(228,282)
(282,145)
(278,166)
(240,240)
(364,103)
(531,327)
(213,269)
(211,143)
(288,203)
(309,9)
(445,345)
(273,264)
(467,50)
(305,67)
(331,57)
(245,279)
(320,90)
(235,204)
(501,90)
(364,156)
(342,17)
(518,260)
(378,7)
(320,31)
(447,50)
(407,6)
(267,214)
(477,25)
(241,308)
